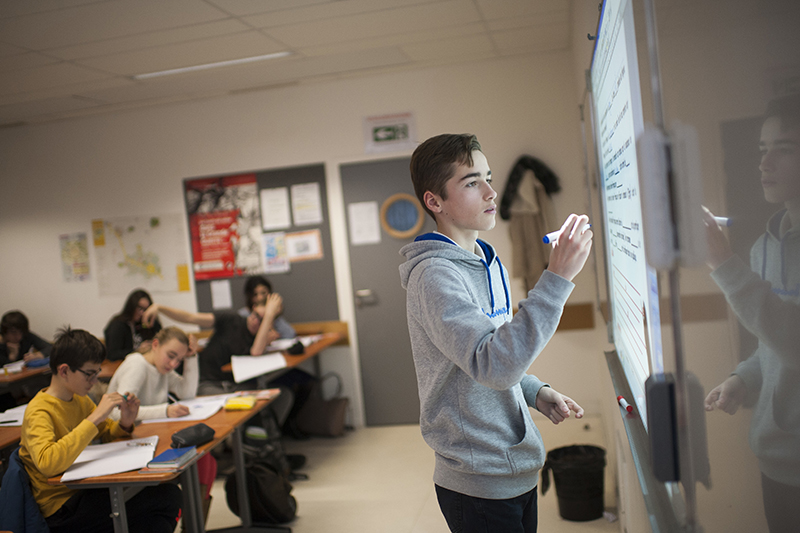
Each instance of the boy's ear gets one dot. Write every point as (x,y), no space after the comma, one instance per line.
(432,201)
(62,369)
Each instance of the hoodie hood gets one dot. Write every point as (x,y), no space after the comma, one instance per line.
(778,223)
(436,245)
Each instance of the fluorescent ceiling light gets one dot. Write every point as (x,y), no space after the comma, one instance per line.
(207,66)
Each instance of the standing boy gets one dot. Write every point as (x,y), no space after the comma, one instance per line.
(60,421)
(470,356)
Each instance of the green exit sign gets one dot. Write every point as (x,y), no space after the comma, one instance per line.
(393,132)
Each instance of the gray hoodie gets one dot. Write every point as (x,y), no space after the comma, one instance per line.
(766,299)
(471,360)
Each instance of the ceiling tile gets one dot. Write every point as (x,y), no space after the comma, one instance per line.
(27,111)
(542,19)
(463,47)
(377,23)
(103,20)
(27,7)
(250,77)
(24,61)
(62,91)
(248,7)
(552,37)
(46,77)
(10,50)
(394,40)
(496,9)
(145,40)
(189,54)
(329,10)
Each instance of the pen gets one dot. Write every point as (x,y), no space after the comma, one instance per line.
(625,405)
(723,221)
(552,237)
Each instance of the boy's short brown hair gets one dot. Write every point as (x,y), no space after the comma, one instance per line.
(75,347)
(435,160)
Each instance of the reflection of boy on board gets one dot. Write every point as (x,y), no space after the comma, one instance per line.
(766,298)
(60,421)
(470,356)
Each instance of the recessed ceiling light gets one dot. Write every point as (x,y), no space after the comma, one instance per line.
(207,66)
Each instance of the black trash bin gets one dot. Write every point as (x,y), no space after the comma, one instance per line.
(578,477)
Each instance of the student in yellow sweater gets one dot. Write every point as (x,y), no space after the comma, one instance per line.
(60,421)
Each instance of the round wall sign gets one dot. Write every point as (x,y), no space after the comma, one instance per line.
(401,216)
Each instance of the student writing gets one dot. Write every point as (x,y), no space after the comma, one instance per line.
(152,376)
(470,355)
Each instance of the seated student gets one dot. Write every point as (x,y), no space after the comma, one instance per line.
(19,342)
(256,290)
(61,421)
(151,376)
(125,332)
(233,335)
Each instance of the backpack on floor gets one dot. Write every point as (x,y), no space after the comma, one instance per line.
(268,488)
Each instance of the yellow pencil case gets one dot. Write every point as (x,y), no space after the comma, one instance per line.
(240,403)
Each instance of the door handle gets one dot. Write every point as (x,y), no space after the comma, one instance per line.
(365,297)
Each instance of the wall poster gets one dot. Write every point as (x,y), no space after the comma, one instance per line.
(225,225)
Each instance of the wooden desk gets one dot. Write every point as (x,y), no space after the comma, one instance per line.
(14,381)
(328,339)
(9,436)
(125,485)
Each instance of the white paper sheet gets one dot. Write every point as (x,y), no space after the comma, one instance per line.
(15,367)
(247,366)
(112,458)
(365,226)
(12,417)
(221,294)
(275,208)
(284,344)
(199,409)
(306,204)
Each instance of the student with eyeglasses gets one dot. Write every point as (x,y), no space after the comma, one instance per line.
(61,420)
(126,332)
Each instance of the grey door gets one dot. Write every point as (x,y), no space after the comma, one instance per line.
(387,368)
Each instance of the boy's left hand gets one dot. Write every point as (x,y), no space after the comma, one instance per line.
(128,409)
(556,406)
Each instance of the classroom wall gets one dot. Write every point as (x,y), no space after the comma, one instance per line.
(57,177)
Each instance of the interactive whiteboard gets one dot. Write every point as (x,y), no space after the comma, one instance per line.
(618,123)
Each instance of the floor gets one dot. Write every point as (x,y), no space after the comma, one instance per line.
(377,480)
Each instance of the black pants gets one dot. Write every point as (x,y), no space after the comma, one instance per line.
(468,514)
(153,510)
(781,505)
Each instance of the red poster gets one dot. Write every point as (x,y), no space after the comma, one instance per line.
(212,250)
(222,213)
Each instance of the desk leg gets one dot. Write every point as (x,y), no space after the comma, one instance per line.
(242,495)
(241,478)
(118,514)
(192,501)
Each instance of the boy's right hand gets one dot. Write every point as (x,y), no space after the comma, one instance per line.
(273,305)
(107,404)
(572,248)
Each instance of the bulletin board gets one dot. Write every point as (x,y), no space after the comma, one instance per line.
(226,228)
